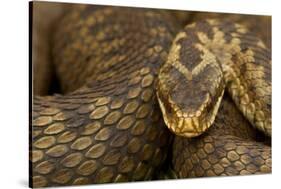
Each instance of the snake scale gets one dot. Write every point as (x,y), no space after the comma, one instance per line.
(116,65)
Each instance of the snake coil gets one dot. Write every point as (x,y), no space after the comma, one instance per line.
(107,126)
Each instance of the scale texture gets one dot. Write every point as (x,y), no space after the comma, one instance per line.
(106,124)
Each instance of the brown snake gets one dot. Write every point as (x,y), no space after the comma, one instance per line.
(107,126)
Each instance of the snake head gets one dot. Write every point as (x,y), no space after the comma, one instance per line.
(189,89)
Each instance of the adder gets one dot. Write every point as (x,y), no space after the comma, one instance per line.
(141,94)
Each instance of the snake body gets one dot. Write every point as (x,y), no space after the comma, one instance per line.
(230,147)
(107,126)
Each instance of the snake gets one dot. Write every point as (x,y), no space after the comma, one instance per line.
(141,93)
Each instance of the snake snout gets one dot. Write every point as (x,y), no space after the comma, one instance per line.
(189,110)
(184,113)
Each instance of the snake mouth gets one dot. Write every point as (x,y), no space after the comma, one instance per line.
(189,124)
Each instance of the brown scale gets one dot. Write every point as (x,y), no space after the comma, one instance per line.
(106,125)
(109,130)
(215,47)
(261,25)
(230,147)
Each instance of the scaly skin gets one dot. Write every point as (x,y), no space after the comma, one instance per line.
(106,126)
(230,147)
(109,130)
(206,57)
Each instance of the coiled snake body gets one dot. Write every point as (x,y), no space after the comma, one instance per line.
(108,127)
